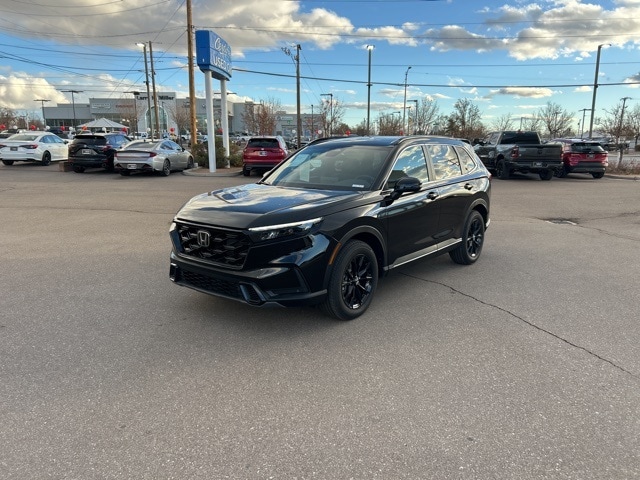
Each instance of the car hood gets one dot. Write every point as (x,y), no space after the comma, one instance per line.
(257,205)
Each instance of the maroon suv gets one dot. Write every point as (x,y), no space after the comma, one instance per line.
(582,156)
(263,153)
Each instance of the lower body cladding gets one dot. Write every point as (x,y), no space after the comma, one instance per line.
(282,286)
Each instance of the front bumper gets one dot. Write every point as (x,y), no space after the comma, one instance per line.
(273,285)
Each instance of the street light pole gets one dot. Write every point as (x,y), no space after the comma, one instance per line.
(44,120)
(404,107)
(595,89)
(135,110)
(370,48)
(584,111)
(330,95)
(73,104)
(415,123)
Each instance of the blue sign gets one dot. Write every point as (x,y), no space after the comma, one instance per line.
(213,54)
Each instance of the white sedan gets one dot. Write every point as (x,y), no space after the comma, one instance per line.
(161,156)
(43,147)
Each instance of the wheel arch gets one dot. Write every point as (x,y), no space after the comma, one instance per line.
(369,235)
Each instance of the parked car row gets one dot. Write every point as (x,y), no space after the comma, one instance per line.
(507,152)
(109,151)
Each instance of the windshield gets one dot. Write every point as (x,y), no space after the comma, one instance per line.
(584,147)
(331,166)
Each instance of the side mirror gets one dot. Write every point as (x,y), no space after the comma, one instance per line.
(405,185)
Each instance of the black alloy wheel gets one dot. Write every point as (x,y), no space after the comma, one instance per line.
(46,158)
(472,240)
(353,281)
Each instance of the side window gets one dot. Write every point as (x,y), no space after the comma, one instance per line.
(467,161)
(410,163)
(445,161)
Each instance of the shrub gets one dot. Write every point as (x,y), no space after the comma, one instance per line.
(201,154)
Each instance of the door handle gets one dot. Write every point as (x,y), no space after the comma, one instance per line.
(468,186)
(432,195)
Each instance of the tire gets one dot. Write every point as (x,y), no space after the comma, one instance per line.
(190,163)
(125,173)
(545,174)
(8,162)
(472,240)
(597,175)
(502,170)
(46,158)
(78,169)
(561,172)
(166,169)
(246,172)
(352,282)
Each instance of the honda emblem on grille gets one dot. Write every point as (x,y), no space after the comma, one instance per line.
(204,238)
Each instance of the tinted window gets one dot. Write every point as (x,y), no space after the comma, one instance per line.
(591,147)
(519,137)
(90,140)
(263,143)
(466,159)
(445,161)
(410,162)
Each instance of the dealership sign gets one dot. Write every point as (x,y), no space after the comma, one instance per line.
(213,54)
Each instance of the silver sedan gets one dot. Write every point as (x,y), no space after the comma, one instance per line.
(43,147)
(162,156)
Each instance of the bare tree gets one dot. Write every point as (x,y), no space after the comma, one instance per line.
(465,121)
(261,118)
(532,124)
(389,124)
(556,120)
(503,122)
(331,114)
(426,114)
(634,122)
(181,115)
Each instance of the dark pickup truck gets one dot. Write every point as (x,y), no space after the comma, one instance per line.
(515,151)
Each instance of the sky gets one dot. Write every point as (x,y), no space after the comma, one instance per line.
(509,57)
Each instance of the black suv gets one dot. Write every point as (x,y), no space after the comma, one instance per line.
(95,150)
(322,226)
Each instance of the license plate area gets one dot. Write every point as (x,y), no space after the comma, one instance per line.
(132,166)
(87,151)
(14,149)
(537,164)
(262,153)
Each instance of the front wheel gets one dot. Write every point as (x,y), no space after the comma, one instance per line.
(7,162)
(597,174)
(46,158)
(353,281)
(561,172)
(472,240)
(190,163)
(546,174)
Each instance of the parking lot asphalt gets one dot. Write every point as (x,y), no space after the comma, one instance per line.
(525,365)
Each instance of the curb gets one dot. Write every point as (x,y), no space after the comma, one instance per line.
(220,172)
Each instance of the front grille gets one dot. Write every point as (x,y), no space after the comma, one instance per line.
(212,285)
(215,245)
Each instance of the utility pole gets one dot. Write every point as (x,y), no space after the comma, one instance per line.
(155,92)
(584,110)
(404,108)
(146,74)
(44,120)
(595,89)
(192,87)
(296,59)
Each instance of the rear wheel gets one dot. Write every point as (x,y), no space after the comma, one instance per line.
(46,158)
(502,170)
(353,281)
(190,163)
(546,174)
(561,172)
(7,162)
(472,240)
(78,169)
(246,172)
(597,174)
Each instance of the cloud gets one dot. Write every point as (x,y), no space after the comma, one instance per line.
(523,92)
